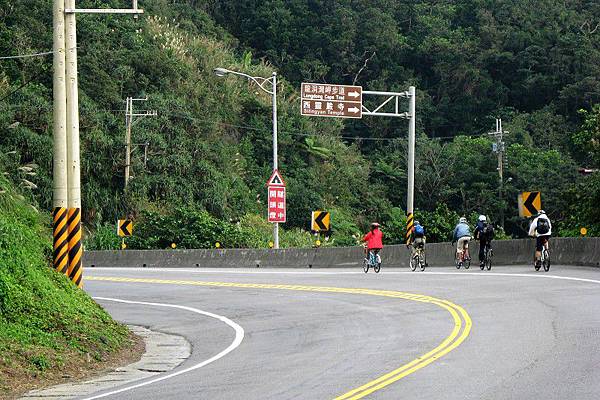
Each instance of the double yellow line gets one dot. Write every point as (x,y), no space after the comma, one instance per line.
(462,322)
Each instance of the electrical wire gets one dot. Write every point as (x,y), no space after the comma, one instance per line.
(27,55)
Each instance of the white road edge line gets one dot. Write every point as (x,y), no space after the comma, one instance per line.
(254,272)
(239,336)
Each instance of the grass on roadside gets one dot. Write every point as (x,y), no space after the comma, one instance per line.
(48,327)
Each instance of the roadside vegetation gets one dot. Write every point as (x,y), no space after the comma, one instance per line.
(209,147)
(49,329)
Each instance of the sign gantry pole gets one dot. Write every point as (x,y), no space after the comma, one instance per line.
(345,101)
(411,164)
(59,133)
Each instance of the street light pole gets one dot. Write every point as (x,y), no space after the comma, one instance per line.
(275,163)
(260,81)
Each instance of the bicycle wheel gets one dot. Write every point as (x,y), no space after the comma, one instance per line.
(366,265)
(422,263)
(467,263)
(537,265)
(488,259)
(377,267)
(413,262)
(482,265)
(546,261)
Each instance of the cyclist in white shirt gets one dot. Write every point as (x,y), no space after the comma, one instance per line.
(541,229)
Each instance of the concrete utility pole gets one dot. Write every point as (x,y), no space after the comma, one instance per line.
(498,148)
(60,247)
(66,165)
(129,121)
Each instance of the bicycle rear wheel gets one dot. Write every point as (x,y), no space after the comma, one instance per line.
(546,260)
(488,259)
(422,263)
(377,267)
(413,262)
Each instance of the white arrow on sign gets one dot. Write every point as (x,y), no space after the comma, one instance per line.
(353,94)
(353,110)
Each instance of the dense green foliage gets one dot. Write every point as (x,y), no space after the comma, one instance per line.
(209,151)
(45,321)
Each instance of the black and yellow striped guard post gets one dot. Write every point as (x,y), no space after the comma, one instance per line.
(75,270)
(410,222)
(61,243)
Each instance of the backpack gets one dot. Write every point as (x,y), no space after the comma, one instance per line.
(488,231)
(543,227)
(419,231)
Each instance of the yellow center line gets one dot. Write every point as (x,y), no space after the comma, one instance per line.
(462,322)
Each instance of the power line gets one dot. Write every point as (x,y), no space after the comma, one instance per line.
(42,54)
(27,55)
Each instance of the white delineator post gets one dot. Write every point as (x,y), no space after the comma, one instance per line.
(59,133)
(411,161)
(275,163)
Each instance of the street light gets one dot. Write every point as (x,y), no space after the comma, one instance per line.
(263,84)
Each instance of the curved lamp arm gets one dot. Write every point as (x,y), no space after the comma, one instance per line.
(260,81)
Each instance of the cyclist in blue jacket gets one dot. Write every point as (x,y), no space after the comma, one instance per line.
(462,235)
(418,235)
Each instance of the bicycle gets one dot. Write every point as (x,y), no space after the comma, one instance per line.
(463,258)
(418,258)
(487,254)
(544,260)
(372,260)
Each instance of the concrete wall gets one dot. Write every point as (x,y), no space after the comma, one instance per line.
(566,251)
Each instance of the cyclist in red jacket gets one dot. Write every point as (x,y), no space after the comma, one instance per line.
(374,241)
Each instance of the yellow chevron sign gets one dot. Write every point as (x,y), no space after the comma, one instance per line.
(124,227)
(529,203)
(321,221)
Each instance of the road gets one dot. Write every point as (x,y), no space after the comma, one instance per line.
(533,335)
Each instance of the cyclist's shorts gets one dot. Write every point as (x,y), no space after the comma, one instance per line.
(419,242)
(463,242)
(539,242)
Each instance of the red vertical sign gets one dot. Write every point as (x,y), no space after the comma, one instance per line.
(276,188)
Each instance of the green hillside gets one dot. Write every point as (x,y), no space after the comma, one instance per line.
(48,327)
(209,152)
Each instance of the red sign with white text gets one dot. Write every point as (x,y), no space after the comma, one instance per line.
(276,203)
(276,188)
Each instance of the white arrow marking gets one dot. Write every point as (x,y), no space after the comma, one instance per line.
(353,94)
(353,110)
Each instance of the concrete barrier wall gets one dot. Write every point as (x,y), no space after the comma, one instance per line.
(566,251)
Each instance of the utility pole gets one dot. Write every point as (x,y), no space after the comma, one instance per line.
(499,148)
(68,250)
(129,121)
(59,166)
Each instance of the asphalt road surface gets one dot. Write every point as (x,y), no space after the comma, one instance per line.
(510,333)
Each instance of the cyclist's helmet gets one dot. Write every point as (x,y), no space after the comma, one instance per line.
(417,223)
(482,218)
(541,212)
(374,224)
(462,220)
